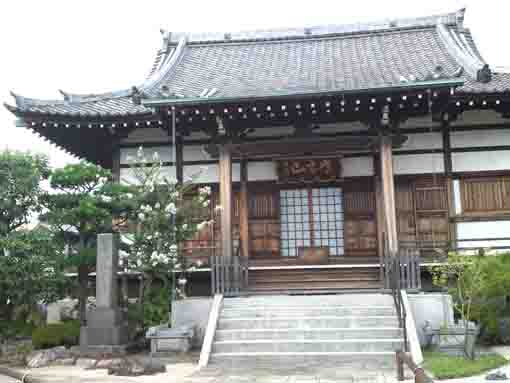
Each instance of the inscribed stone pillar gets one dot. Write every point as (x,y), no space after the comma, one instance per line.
(106,271)
(106,330)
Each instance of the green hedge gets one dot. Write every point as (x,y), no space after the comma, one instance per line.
(58,334)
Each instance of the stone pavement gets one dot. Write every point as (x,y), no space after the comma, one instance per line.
(6,379)
(251,374)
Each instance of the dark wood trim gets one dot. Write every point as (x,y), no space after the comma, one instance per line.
(481,174)
(116,161)
(447,148)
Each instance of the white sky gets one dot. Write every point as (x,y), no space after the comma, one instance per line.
(100,45)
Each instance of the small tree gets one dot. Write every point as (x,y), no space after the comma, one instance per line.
(163,219)
(20,188)
(465,278)
(24,255)
(84,204)
(31,273)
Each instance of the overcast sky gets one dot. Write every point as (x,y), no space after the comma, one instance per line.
(85,46)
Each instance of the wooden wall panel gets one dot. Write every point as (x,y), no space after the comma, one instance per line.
(264,220)
(360,227)
(485,196)
(422,208)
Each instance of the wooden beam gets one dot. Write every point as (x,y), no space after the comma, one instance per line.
(388,194)
(226,199)
(244,210)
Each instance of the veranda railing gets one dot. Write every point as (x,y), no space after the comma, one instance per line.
(229,276)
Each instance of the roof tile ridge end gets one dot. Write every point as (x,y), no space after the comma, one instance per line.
(166,66)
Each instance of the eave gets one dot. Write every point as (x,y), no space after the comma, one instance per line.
(404,87)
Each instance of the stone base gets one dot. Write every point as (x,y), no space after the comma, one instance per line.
(105,329)
(182,344)
(98,352)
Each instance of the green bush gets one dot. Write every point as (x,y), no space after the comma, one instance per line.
(14,329)
(58,334)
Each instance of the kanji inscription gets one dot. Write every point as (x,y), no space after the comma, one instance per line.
(309,170)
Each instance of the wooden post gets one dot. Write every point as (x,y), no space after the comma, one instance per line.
(179,161)
(448,169)
(388,193)
(244,210)
(379,207)
(226,209)
(116,159)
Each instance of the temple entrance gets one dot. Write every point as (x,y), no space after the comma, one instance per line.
(311,218)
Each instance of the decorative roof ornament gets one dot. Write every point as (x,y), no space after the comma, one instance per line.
(458,72)
(484,75)
(136,95)
(459,18)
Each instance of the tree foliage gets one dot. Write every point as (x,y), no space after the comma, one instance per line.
(30,269)
(20,188)
(83,204)
(473,282)
(164,214)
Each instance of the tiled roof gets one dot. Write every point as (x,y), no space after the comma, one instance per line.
(262,63)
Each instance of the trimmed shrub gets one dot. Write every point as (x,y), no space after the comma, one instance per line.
(58,334)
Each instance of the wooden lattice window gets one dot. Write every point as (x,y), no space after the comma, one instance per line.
(311,217)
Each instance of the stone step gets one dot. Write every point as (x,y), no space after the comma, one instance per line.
(278,361)
(309,334)
(289,311)
(312,300)
(304,346)
(307,322)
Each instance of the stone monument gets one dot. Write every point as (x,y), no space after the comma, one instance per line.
(106,330)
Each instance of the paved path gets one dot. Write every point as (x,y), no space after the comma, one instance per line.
(6,379)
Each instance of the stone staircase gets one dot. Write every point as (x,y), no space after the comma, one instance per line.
(310,334)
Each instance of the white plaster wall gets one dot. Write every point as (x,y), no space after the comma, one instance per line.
(195,153)
(480,161)
(209,173)
(357,166)
(262,171)
(485,137)
(490,229)
(422,141)
(418,122)
(418,163)
(164,152)
(128,175)
(475,117)
(142,135)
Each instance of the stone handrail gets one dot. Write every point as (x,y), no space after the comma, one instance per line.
(210,330)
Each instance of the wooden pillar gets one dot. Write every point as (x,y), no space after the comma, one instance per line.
(379,207)
(244,210)
(388,193)
(226,200)
(179,161)
(448,169)
(116,161)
